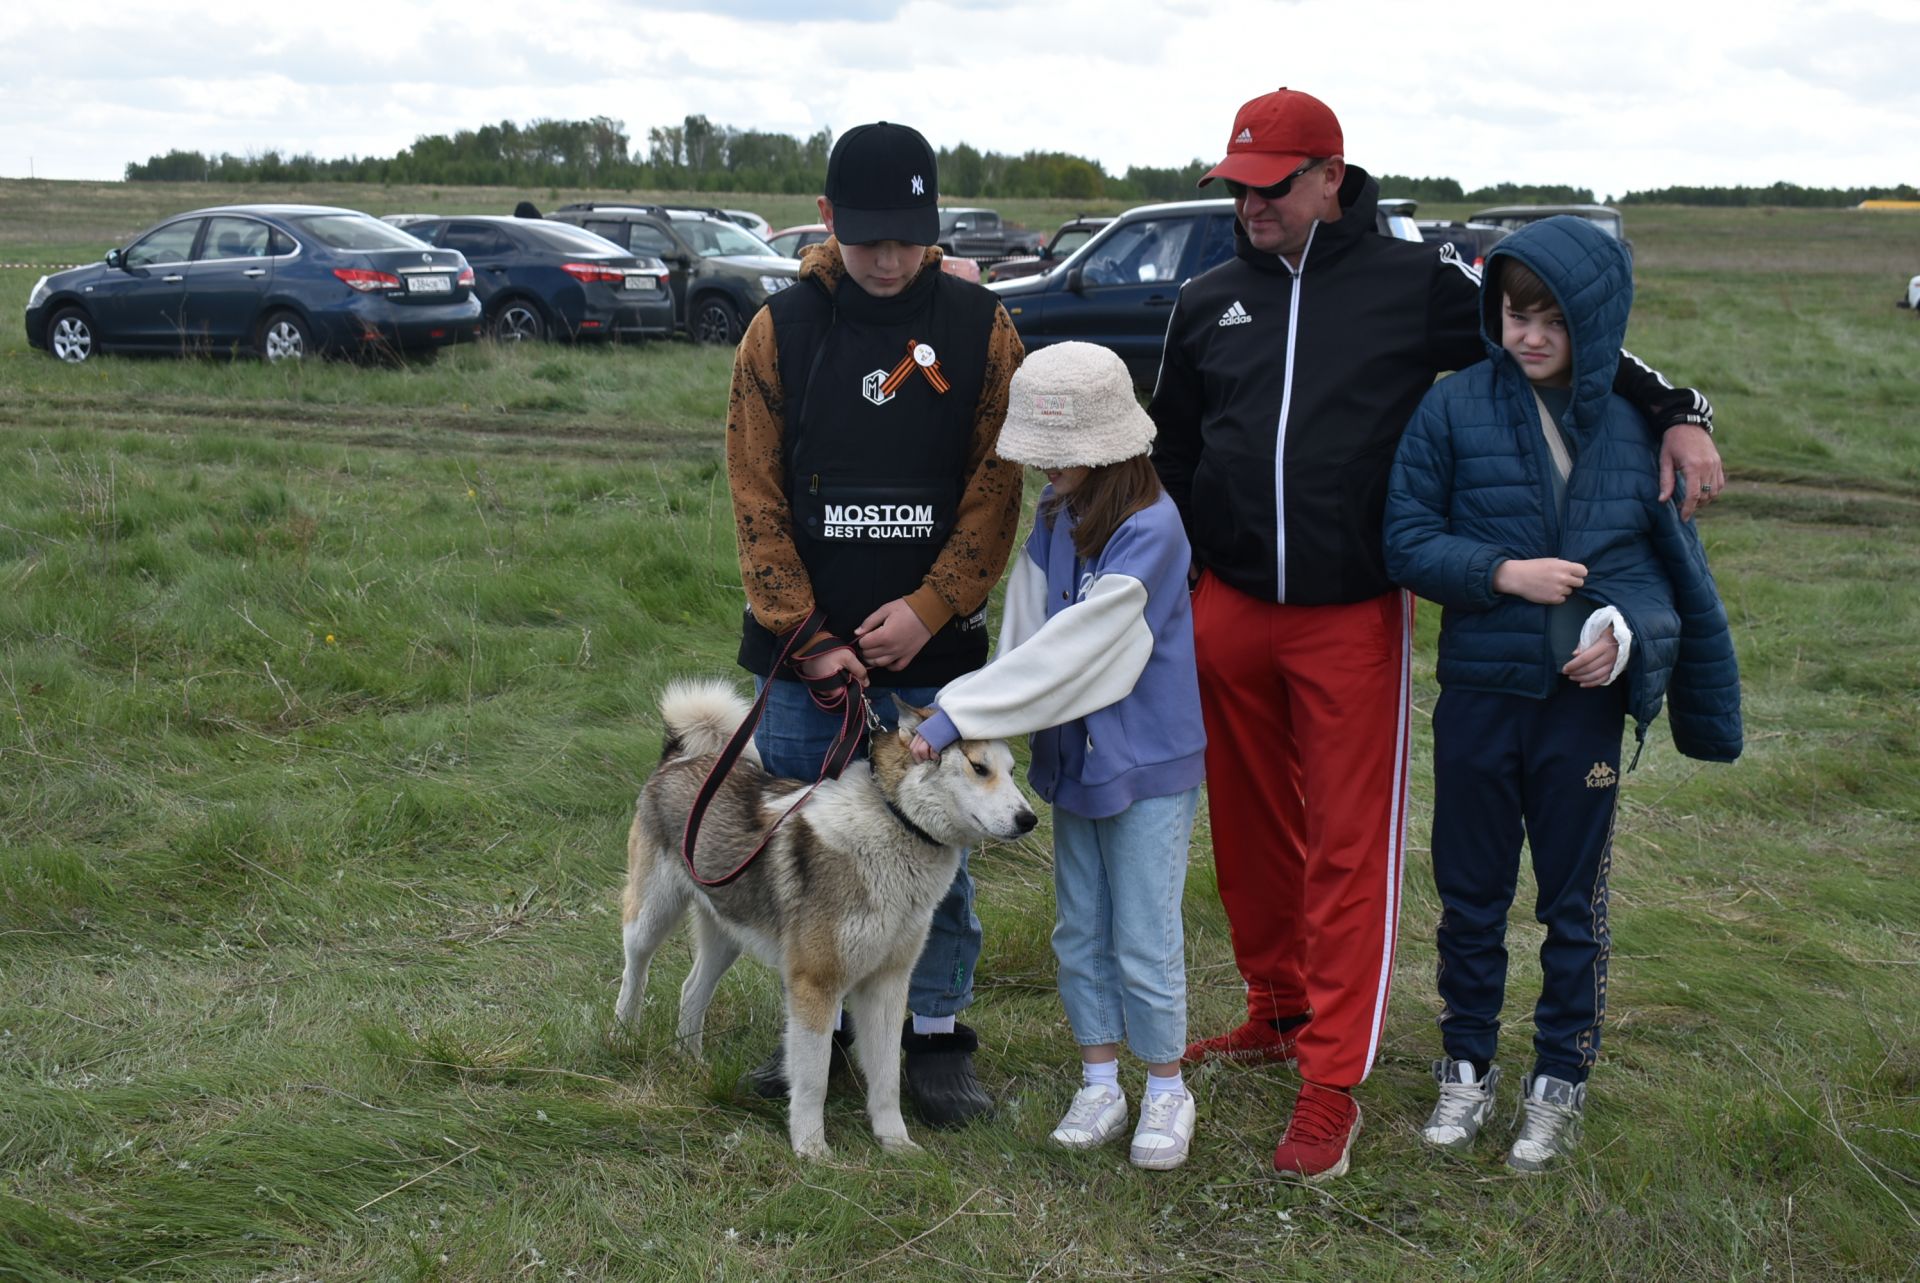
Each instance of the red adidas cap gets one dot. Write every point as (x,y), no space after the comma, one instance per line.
(1274,135)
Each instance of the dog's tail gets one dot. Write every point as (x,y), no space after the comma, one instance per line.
(701,715)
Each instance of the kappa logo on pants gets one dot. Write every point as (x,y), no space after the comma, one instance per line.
(1602,776)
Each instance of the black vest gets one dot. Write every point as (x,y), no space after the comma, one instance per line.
(876,452)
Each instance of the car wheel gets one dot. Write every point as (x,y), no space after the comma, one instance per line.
(716,321)
(284,337)
(70,335)
(517,321)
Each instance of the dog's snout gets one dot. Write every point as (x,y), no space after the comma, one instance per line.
(1024,822)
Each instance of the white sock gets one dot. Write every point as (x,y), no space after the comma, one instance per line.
(1101,1073)
(932,1024)
(1173,1086)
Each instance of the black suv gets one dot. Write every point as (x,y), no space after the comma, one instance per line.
(1118,289)
(1471,241)
(721,273)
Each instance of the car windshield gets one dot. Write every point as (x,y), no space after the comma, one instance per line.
(569,239)
(712,236)
(356,231)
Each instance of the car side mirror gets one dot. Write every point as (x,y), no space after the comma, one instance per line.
(1076,280)
(116,259)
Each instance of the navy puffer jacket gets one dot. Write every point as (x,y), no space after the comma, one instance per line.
(1471,488)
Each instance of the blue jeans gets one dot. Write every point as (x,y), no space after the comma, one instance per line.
(793,737)
(1118,884)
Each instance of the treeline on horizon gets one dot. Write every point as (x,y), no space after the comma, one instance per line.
(699,156)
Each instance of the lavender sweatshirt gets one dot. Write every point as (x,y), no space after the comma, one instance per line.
(1096,661)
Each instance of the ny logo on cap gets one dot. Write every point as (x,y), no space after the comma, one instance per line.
(919,186)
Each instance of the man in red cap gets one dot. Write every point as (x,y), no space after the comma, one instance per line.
(1288,376)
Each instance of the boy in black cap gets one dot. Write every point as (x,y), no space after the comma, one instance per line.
(865,407)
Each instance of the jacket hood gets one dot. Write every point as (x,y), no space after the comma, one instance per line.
(1359,215)
(823,265)
(1591,276)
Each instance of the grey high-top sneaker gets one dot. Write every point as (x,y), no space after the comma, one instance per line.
(1465,1104)
(1551,1112)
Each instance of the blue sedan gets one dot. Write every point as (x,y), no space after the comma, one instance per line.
(540,279)
(282,281)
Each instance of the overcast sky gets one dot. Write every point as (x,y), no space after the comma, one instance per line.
(1609,94)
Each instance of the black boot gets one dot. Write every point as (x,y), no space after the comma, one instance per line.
(768,1079)
(939,1077)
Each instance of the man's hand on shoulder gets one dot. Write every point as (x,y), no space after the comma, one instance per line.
(1688,449)
(892,635)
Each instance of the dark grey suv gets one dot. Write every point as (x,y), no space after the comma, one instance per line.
(720,273)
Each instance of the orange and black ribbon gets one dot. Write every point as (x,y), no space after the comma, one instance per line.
(906,367)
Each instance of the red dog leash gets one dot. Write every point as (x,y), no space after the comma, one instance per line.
(837,693)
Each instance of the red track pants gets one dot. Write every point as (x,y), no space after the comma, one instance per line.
(1307,729)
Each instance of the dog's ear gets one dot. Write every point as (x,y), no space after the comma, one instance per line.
(910,717)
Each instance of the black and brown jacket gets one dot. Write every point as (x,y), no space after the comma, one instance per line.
(780,365)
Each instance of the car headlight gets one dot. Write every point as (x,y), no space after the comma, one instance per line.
(774,284)
(40,292)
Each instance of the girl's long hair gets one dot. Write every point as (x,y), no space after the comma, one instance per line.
(1111,493)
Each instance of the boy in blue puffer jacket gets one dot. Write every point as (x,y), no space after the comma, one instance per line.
(1523,500)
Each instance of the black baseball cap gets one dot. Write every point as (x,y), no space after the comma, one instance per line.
(883,182)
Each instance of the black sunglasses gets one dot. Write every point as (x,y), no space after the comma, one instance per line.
(1272,191)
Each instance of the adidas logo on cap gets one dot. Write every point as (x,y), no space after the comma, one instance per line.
(1236,315)
(1244,136)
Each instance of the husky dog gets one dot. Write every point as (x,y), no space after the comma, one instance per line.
(839,902)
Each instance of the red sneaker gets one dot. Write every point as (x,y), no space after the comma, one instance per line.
(1319,1139)
(1254,1043)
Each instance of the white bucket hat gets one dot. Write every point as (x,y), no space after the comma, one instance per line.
(1072,405)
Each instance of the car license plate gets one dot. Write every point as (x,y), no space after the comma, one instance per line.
(643,283)
(430,284)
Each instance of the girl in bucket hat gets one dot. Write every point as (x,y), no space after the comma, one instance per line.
(1096,662)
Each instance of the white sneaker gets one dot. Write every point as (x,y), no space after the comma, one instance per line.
(1551,1127)
(1096,1116)
(1165,1132)
(1466,1102)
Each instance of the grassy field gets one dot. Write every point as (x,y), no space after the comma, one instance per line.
(327,691)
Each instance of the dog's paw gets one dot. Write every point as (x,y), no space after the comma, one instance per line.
(901,1144)
(814,1149)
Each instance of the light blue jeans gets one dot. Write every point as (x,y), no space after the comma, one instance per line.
(1117,888)
(793,737)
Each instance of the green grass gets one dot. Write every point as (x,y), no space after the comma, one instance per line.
(324,694)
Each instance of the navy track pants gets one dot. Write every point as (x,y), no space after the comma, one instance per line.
(1504,765)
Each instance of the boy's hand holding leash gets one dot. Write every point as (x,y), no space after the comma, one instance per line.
(892,635)
(1546,580)
(839,659)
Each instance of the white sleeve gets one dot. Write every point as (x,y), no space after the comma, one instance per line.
(1086,657)
(1608,617)
(1024,609)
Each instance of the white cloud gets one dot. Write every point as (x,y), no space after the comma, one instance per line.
(1638,94)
